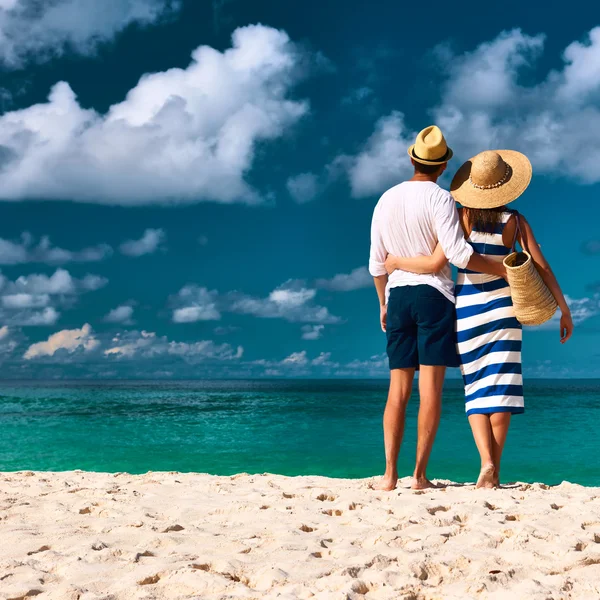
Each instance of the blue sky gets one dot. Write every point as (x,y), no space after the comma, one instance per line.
(187,186)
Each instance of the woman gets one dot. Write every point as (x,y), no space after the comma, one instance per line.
(488,334)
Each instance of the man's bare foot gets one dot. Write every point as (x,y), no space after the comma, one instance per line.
(386,484)
(486,477)
(422,483)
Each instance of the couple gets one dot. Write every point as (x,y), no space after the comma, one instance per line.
(430,323)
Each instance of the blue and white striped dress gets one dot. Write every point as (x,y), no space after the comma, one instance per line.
(489,336)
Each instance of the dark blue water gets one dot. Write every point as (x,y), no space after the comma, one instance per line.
(296,427)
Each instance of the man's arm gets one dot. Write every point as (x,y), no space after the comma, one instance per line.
(377,258)
(452,239)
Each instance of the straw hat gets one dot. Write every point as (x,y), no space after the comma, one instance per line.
(430,147)
(491,179)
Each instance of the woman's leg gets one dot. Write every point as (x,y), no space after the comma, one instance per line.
(500,423)
(482,432)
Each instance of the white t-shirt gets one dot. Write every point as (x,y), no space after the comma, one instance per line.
(409,220)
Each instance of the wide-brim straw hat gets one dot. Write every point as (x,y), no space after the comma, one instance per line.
(430,147)
(491,179)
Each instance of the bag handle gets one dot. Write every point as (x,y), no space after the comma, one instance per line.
(519,233)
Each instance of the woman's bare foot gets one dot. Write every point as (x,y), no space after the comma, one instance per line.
(496,480)
(486,477)
(386,484)
(421,483)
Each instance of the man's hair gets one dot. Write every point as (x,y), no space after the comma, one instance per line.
(426,169)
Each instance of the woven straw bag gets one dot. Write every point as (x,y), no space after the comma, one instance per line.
(533,302)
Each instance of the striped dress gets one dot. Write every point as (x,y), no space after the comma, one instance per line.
(488,334)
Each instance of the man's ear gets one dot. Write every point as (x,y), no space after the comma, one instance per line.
(443,168)
(412,162)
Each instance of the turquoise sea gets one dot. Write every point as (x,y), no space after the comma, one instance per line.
(295,427)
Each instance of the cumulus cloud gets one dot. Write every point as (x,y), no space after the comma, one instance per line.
(293,302)
(31,30)
(296,358)
(147,244)
(485,104)
(7,342)
(193,303)
(26,251)
(303,187)
(68,340)
(582,309)
(145,344)
(553,121)
(31,300)
(346,282)
(382,161)
(182,135)
(59,283)
(312,332)
(122,314)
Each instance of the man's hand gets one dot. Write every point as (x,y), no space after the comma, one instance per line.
(383,317)
(566,327)
(390,264)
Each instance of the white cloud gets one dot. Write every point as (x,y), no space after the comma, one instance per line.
(46,317)
(194,303)
(146,344)
(296,358)
(485,104)
(554,121)
(582,309)
(59,283)
(383,160)
(355,280)
(40,30)
(7,344)
(148,244)
(14,253)
(303,187)
(323,360)
(69,340)
(25,300)
(31,300)
(182,135)
(292,302)
(122,314)
(312,332)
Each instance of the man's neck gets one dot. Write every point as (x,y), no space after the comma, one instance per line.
(422,177)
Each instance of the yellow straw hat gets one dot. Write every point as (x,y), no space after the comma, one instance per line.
(491,179)
(430,147)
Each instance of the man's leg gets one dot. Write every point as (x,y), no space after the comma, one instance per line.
(500,423)
(482,433)
(401,381)
(431,385)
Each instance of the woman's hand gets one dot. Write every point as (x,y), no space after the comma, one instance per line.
(566,327)
(390,263)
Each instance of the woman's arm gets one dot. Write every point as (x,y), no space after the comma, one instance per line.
(528,241)
(418,264)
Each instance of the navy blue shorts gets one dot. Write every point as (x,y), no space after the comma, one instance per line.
(421,325)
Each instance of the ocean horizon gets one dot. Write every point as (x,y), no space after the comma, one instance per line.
(291,427)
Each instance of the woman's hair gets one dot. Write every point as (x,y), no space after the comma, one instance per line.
(484,219)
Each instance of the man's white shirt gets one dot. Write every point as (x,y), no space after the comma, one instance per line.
(409,220)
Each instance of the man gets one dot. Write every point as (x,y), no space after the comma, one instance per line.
(419,318)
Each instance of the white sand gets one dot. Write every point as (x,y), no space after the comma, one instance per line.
(80,535)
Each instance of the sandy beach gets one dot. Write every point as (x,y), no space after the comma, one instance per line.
(81,535)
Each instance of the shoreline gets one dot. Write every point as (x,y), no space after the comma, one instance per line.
(83,535)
